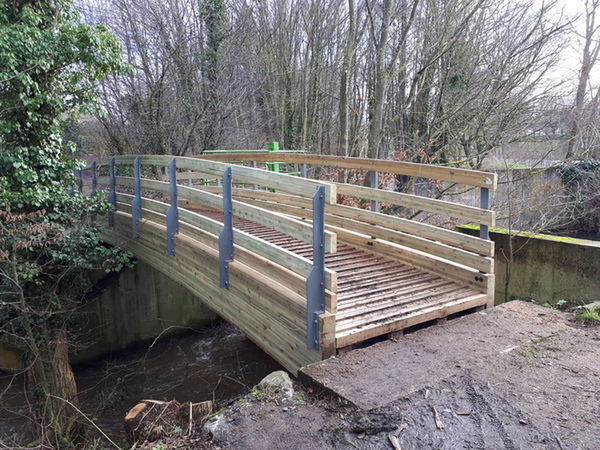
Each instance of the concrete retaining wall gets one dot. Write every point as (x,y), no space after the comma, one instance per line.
(545,268)
(136,307)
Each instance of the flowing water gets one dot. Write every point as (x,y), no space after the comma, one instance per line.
(212,364)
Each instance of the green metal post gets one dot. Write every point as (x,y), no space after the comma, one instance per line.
(273,147)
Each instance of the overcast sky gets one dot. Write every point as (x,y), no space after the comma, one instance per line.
(571,63)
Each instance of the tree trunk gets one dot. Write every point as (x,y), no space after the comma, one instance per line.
(51,382)
(379,83)
(590,56)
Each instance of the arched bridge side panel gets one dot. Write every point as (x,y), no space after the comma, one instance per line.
(270,315)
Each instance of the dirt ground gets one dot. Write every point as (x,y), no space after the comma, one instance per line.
(518,376)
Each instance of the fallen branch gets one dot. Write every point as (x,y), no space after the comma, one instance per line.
(438,422)
(394,441)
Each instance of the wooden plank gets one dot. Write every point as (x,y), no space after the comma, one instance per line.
(450,209)
(262,328)
(295,228)
(413,317)
(452,174)
(415,258)
(491,291)
(381,283)
(327,335)
(457,255)
(450,253)
(424,231)
(276,272)
(449,237)
(280,181)
(278,255)
(380,309)
(251,288)
(208,259)
(413,291)
(368,278)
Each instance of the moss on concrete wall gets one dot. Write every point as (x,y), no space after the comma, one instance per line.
(545,268)
(10,358)
(137,306)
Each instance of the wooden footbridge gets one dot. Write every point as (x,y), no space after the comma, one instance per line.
(280,258)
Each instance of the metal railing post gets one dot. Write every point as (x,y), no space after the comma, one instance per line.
(173,211)
(315,283)
(374,185)
(226,236)
(484,230)
(94,187)
(94,179)
(255,166)
(136,204)
(273,147)
(112,194)
(303,171)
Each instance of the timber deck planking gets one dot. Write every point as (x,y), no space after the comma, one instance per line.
(376,295)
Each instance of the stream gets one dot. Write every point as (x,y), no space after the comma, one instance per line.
(212,364)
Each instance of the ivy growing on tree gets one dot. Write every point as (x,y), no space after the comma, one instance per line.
(49,64)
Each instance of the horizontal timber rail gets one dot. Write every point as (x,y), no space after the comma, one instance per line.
(482,216)
(277,256)
(445,173)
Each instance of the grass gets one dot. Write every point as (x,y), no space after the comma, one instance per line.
(589,316)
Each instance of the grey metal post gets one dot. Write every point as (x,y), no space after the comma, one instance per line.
(112,194)
(94,187)
(136,204)
(173,211)
(226,236)
(255,166)
(484,230)
(94,179)
(303,171)
(315,283)
(374,185)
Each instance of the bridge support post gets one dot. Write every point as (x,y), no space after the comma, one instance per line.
(112,194)
(273,147)
(173,211)
(136,204)
(374,185)
(315,283)
(484,230)
(226,236)
(94,186)
(94,179)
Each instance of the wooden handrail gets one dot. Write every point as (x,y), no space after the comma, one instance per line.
(434,172)
(292,227)
(431,232)
(278,255)
(280,181)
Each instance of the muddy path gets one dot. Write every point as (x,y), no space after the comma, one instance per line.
(518,376)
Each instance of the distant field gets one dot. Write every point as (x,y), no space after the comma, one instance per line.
(527,154)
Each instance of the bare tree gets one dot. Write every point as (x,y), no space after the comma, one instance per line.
(583,133)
